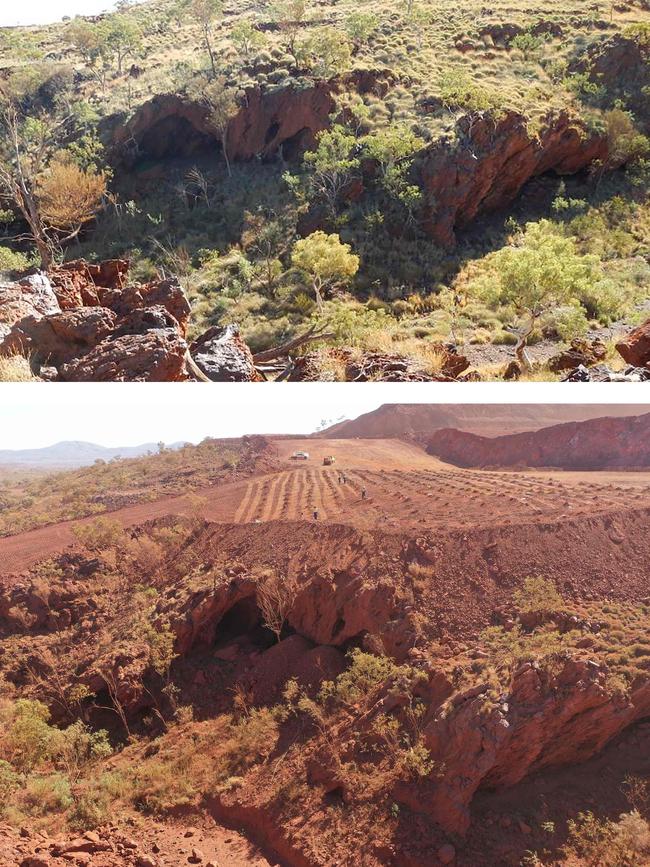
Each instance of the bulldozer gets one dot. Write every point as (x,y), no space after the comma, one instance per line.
(328,460)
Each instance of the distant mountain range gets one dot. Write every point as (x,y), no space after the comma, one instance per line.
(70,454)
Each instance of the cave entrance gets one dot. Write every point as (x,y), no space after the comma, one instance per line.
(176,137)
(294,146)
(243,620)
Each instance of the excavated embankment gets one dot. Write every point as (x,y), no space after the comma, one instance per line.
(596,444)
(356,583)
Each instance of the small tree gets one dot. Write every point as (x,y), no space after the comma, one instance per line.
(624,141)
(222,106)
(542,271)
(99,535)
(69,197)
(393,150)
(246,37)
(360,26)
(538,594)
(267,239)
(327,52)
(276,595)
(111,40)
(120,37)
(331,166)
(326,260)
(54,196)
(290,15)
(205,13)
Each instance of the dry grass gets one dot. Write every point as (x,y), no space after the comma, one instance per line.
(16,368)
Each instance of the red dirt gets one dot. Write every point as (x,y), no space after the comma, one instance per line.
(601,443)
(168,844)
(420,566)
(407,490)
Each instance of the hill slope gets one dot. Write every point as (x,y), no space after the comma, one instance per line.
(602,443)
(416,421)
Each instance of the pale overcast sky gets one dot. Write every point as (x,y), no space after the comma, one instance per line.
(33,415)
(129,414)
(48,11)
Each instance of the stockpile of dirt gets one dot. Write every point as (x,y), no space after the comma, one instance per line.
(603,443)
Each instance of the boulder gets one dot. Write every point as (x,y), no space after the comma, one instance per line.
(635,347)
(156,356)
(77,283)
(488,160)
(157,293)
(31,296)
(222,355)
(87,324)
(60,337)
(581,351)
(603,373)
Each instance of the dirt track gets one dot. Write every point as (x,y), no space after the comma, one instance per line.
(406,489)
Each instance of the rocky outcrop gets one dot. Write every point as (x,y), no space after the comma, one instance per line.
(158,355)
(171,125)
(84,322)
(597,444)
(604,373)
(284,117)
(31,296)
(620,64)
(543,718)
(635,347)
(79,283)
(223,356)
(491,160)
(382,366)
(581,351)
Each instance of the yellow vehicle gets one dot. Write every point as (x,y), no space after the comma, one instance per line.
(328,460)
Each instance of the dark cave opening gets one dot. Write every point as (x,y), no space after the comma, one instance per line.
(271,132)
(176,137)
(244,619)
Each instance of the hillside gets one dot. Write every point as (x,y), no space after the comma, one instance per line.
(434,157)
(418,421)
(450,665)
(599,444)
(49,497)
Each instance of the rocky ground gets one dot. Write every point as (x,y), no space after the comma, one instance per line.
(132,843)
(87,322)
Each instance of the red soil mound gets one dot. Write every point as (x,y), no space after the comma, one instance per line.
(602,443)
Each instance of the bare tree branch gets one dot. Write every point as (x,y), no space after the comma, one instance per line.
(288,347)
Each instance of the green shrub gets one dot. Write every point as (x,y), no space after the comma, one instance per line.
(44,795)
(11,262)
(537,594)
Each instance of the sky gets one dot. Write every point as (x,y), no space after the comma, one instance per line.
(34,415)
(48,11)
